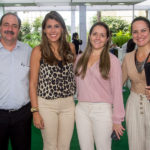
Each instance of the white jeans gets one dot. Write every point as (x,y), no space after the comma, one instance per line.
(94,124)
(58,117)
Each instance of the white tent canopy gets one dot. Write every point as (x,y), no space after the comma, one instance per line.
(66,2)
(34,5)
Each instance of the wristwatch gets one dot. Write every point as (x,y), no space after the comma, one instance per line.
(34,109)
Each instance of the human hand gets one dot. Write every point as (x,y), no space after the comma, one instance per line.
(38,121)
(147,92)
(118,128)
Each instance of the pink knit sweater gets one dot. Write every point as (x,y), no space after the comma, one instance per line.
(93,88)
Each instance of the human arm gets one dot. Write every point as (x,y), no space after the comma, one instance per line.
(80,42)
(118,128)
(124,71)
(147,92)
(147,76)
(118,106)
(72,47)
(34,71)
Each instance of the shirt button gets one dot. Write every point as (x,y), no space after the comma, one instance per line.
(141,98)
(142,113)
(141,107)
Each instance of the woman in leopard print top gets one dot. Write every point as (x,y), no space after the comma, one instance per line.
(52,84)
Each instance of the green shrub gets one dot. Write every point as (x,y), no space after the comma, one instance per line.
(120,38)
(33,39)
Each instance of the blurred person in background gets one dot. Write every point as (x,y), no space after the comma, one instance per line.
(77,42)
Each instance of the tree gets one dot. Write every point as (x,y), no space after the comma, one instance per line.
(31,33)
(25,29)
(37,24)
(115,24)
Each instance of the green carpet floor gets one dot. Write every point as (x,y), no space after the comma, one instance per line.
(122,144)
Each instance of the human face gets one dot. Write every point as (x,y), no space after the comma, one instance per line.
(98,37)
(9,29)
(53,30)
(140,33)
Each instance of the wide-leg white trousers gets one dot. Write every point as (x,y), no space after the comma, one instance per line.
(94,124)
(138,122)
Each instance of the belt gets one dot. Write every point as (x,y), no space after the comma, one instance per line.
(14,110)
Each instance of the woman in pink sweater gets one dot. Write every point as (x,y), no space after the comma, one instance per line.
(100,108)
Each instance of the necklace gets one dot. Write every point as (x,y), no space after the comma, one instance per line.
(140,65)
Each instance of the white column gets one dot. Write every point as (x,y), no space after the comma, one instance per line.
(73,20)
(1,11)
(82,26)
(133,15)
(149,14)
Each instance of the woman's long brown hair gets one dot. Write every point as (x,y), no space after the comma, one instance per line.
(64,48)
(104,63)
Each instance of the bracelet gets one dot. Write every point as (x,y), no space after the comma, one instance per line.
(34,109)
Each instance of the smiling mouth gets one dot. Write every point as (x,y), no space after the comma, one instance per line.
(141,40)
(53,35)
(97,43)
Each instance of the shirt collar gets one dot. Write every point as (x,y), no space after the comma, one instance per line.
(17,45)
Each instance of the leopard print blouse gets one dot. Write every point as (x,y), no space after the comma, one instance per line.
(56,81)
